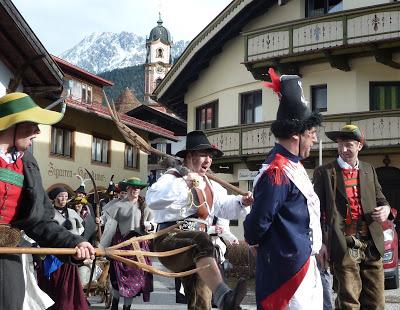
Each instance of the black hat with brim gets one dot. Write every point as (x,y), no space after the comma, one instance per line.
(347,132)
(197,141)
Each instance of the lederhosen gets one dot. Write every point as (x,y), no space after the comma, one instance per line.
(197,293)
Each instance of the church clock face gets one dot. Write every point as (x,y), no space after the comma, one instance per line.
(159,69)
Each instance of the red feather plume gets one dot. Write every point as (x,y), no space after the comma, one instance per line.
(275,85)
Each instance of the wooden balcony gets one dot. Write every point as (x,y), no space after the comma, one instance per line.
(332,38)
(382,130)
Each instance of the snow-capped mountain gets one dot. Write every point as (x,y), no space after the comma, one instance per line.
(100,52)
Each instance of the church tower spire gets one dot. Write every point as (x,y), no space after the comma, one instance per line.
(158,58)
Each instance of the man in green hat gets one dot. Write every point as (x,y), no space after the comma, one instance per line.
(24,204)
(352,210)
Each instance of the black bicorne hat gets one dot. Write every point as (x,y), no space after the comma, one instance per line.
(80,189)
(197,141)
(294,115)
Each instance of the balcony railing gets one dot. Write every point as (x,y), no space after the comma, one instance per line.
(381,128)
(334,31)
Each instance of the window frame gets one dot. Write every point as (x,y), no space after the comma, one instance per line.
(241,103)
(72,142)
(126,163)
(373,84)
(326,9)
(214,122)
(313,88)
(94,159)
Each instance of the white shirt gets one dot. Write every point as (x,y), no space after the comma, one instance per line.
(170,200)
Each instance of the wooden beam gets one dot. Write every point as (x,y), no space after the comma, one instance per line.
(385,56)
(32,90)
(291,68)
(338,62)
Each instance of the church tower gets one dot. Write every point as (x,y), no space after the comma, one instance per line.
(158,59)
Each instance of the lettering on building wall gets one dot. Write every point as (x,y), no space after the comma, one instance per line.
(56,172)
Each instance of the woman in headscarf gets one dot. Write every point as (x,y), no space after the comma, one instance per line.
(126,219)
(61,281)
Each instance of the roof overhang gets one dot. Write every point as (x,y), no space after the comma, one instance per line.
(132,122)
(79,72)
(147,113)
(198,54)
(25,56)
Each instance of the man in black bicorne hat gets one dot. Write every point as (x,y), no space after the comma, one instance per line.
(186,193)
(352,210)
(284,222)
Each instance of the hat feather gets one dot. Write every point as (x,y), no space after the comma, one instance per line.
(275,83)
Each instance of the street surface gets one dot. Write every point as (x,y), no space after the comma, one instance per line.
(163,297)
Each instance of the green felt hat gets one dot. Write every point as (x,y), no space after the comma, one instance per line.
(135,182)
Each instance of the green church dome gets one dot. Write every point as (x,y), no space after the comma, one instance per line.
(160,32)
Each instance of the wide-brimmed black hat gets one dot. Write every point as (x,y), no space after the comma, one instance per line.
(348,132)
(55,191)
(80,189)
(294,115)
(197,141)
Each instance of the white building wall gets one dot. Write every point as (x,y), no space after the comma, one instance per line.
(5,76)
(353,4)
(153,52)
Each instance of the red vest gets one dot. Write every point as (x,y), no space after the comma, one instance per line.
(10,195)
(352,186)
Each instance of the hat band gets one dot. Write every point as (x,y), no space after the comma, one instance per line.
(12,107)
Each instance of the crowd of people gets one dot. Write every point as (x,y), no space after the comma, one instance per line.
(301,231)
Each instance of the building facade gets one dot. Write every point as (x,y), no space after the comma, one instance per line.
(86,138)
(347,53)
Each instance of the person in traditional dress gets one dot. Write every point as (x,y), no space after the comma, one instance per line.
(284,219)
(353,209)
(85,210)
(59,280)
(24,205)
(128,218)
(185,193)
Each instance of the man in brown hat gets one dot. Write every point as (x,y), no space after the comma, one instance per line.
(24,203)
(186,192)
(352,210)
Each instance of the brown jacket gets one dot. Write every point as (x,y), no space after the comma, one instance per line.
(333,207)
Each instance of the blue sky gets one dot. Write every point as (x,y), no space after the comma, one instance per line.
(60,24)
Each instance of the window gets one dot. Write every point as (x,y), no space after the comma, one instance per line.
(206,116)
(384,95)
(86,94)
(81,92)
(100,148)
(251,107)
(61,142)
(322,7)
(159,53)
(319,98)
(158,81)
(163,147)
(131,157)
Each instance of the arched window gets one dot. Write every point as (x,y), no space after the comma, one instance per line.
(159,53)
(158,81)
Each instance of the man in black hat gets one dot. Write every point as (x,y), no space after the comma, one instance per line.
(353,208)
(186,192)
(284,222)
